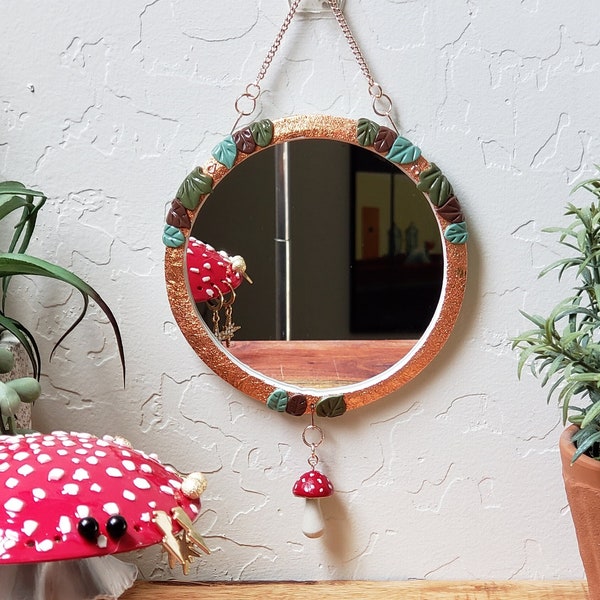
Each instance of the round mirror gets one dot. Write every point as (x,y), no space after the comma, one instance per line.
(355,245)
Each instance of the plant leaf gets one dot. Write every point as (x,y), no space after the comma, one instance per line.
(23,264)
(592,414)
(586,445)
(26,340)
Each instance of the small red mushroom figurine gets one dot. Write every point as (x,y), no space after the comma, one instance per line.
(67,496)
(313,486)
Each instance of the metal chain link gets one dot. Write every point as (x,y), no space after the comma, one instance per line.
(382,103)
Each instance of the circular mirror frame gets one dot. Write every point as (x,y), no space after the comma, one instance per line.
(198,186)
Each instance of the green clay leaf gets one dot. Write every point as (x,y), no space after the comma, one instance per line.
(457,233)
(434,182)
(225,152)
(403,151)
(196,184)
(262,132)
(172,237)
(277,400)
(331,406)
(366,132)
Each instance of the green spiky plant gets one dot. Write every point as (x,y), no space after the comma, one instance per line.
(563,349)
(16,199)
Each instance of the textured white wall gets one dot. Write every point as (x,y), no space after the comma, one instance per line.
(106,106)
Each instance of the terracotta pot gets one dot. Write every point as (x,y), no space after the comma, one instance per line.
(582,483)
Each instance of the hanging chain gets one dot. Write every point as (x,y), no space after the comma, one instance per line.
(382,103)
(253,90)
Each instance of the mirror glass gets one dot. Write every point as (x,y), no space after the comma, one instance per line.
(365,255)
(355,284)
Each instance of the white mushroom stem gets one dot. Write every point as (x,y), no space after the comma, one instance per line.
(313,523)
(99,577)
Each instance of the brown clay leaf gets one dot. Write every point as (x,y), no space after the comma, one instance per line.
(244,141)
(178,216)
(385,139)
(451,211)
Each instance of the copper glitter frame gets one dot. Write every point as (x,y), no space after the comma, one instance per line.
(258,386)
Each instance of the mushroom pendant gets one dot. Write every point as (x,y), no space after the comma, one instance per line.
(313,485)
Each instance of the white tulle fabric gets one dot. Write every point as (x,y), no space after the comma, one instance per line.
(98,578)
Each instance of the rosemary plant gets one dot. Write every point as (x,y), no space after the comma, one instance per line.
(563,349)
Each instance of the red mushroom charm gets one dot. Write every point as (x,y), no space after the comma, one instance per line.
(313,486)
(70,496)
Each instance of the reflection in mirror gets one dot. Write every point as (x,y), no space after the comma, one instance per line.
(373,239)
(360,235)
(365,255)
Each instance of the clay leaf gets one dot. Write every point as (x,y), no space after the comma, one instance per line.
(331,406)
(196,184)
(366,132)
(451,211)
(434,182)
(225,152)
(244,141)
(277,400)
(385,139)
(178,215)
(457,233)
(262,132)
(403,151)
(172,237)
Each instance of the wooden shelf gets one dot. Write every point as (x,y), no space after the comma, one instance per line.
(365,590)
(321,363)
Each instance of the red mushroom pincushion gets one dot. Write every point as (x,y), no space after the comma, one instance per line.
(212,273)
(73,496)
(313,486)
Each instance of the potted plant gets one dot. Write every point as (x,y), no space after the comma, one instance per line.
(23,205)
(563,350)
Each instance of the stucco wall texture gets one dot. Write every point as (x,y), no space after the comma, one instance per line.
(106,107)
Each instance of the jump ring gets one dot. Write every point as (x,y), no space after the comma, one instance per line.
(384,101)
(220,300)
(245,112)
(313,444)
(232,299)
(375,90)
(253,90)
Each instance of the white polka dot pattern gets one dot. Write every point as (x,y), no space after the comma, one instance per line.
(48,483)
(209,271)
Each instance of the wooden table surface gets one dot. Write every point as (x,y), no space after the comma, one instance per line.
(367,590)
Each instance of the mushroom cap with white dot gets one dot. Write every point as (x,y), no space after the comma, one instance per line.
(45,491)
(313,484)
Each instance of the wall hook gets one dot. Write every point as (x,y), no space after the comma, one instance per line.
(317,7)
